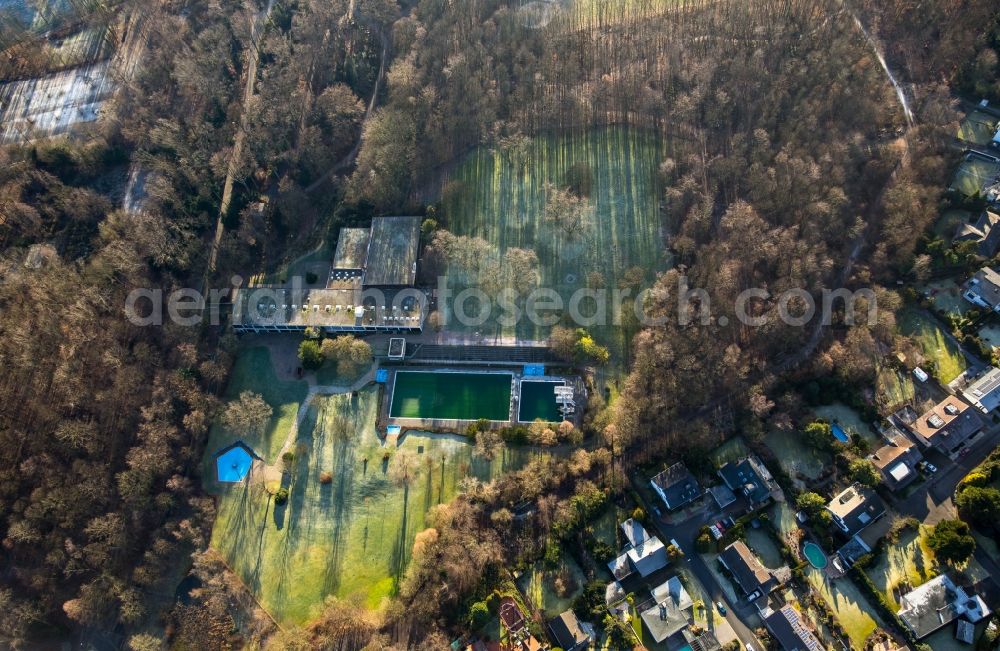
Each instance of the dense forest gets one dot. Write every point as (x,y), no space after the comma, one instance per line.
(791,165)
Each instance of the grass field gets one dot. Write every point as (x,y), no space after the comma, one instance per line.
(978,127)
(451,396)
(908,562)
(935,343)
(253,372)
(795,456)
(353,536)
(974,173)
(893,386)
(539,585)
(494,196)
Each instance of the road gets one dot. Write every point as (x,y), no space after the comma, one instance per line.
(685,534)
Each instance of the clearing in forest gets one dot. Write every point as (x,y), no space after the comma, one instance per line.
(501,196)
(349,524)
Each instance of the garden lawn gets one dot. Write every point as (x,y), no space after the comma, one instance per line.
(893,387)
(848,419)
(949,221)
(760,541)
(796,456)
(978,127)
(909,562)
(947,297)
(254,372)
(493,195)
(538,584)
(353,537)
(973,174)
(935,343)
(732,450)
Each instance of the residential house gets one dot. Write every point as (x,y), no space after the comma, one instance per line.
(788,629)
(750,478)
(648,556)
(983,289)
(950,427)
(897,462)
(985,232)
(634,532)
(750,575)
(676,486)
(670,611)
(570,633)
(938,603)
(855,508)
(984,391)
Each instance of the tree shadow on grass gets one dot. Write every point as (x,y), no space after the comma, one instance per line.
(242,531)
(337,499)
(399,556)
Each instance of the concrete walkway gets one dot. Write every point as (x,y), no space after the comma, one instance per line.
(322,390)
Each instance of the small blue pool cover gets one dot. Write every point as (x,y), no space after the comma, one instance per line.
(382,376)
(234,463)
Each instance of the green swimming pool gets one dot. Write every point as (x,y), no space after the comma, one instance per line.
(538,401)
(447,395)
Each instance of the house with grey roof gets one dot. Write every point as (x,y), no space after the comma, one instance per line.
(670,610)
(855,508)
(570,633)
(937,603)
(984,391)
(790,631)
(750,478)
(983,289)
(755,580)
(985,232)
(676,486)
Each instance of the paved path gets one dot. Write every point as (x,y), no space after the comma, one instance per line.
(321,390)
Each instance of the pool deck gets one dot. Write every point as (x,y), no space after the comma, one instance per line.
(385,419)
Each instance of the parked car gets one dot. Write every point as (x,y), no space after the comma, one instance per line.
(716,533)
(927,467)
(750,647)
(721,607)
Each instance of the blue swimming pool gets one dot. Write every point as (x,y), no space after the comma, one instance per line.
(814,555)
(234,463)
(840,434)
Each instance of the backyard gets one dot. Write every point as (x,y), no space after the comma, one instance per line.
(795,456)
(552,590)
(977,127)
(894,387)
(501,197)
(907,563)
(849,420)
(973,174)
(935,343)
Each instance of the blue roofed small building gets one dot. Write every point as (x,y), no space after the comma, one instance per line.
(676,486)
(234,463)
(751,479)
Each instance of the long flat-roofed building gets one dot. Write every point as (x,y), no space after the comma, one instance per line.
(370,288)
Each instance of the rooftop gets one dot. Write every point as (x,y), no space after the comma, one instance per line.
(984,392)
(352,248)
(856,507)
(676,485)
(341,304)
(392,252)
(634,532)
(950,419)
(747,570)
(748,476)
(648,556)
(667,616)
(567,630)
(986,283)
(937,603)
(791,632)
